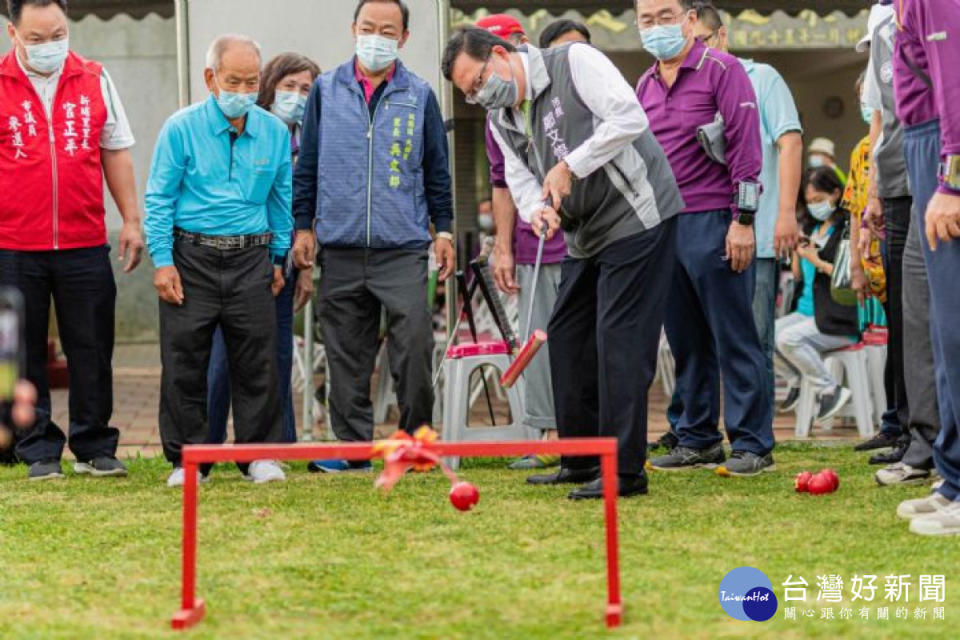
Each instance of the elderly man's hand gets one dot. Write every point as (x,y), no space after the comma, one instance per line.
(785,234)
(278,282)
(304,249)
(504,268)
(740,245)
(166,280)
(446,258)
(545,220)
(943,219)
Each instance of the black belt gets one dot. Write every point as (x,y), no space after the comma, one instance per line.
(225,243)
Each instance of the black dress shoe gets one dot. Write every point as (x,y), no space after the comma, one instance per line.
(627,486)
(894,455)
(566,476)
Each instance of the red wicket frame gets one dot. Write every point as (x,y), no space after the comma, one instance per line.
(192,609)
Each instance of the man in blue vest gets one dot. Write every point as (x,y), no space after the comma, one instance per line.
(372,176)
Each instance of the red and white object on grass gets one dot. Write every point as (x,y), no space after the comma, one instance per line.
(537,339)
(464,496)
(823,482)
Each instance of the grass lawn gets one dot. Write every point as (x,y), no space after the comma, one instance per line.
(328,557)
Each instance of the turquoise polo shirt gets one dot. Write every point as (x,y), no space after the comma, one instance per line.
(778,115)
(207,179)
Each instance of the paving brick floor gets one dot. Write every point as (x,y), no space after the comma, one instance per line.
(137,396)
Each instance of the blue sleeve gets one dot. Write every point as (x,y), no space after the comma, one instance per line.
(279,202)
(305,175)
(162,194)
(778,110)
(436,167)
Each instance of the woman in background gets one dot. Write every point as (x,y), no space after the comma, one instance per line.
(284,88)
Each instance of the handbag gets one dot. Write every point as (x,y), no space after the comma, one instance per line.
(841,283)
(712,140)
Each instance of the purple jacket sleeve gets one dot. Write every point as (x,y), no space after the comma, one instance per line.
(937,26)
(737,102)
(497,163)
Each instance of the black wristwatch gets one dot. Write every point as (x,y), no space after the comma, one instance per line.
(279,261)
(746,219)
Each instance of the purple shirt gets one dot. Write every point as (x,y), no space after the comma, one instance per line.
(708,82)
(524,240)
(929,39)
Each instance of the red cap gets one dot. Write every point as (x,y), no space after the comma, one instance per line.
(500,25)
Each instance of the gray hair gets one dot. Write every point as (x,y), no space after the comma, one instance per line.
(219,46)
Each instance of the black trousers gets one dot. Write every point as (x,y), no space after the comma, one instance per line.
(604,335)
(896,217)
(355,284)
(84,293)
(230,289)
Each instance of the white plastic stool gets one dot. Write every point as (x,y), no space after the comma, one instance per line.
(852,364)
(875,344)
(461,361)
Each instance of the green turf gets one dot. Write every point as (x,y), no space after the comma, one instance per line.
(328,557)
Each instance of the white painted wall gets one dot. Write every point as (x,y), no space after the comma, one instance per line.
(141,57)
(316,28)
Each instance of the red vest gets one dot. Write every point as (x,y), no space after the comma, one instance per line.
(51,180)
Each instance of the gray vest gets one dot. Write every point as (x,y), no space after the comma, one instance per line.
(632,193)
(888,155)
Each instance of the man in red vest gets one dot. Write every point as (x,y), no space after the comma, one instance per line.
(62,131)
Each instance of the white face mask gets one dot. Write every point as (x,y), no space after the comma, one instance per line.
(289,106)
(485,222)
(376,53)
(46,57)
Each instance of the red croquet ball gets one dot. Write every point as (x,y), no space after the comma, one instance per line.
(464,496)
(834,478)
(820,484)
(801,481)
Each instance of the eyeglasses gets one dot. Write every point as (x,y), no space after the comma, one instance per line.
(708,38)
(665,17)
(478,83)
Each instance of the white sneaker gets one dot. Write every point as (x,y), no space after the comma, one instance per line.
(176,479)
(263,471)
(936,485)
(910,509)
(945,522)
(900,473)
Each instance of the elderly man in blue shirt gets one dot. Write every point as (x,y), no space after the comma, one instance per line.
(218,225)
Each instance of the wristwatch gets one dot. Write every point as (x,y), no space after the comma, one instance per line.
(745,218)
(279,261)
(950,172)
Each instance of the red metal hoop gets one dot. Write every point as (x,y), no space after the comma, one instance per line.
(192,609)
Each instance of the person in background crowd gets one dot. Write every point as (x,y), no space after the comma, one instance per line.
(819,324)
(573,109)
(286,83)
(709,320)
(927,92)
(218,229)
(867,265)
(485,221)
(781,137)
(564,32)
(514,255)
(372,122)
(822,152)
(62,116)
(908,297)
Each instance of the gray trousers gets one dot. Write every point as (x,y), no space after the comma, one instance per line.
(355,284)
(918,356)
(539,411)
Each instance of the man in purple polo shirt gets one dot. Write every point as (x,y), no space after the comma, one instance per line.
(709,319)
(928,91)
(514,255)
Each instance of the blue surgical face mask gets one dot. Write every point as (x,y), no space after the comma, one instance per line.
(289,106)
(663,42)
(236,105)
(821,210)
(47,57)
(867,113)
(817,161)
(376,53)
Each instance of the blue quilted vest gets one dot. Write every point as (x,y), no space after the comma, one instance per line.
(370,173)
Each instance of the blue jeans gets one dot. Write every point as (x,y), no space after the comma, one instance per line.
(218,374)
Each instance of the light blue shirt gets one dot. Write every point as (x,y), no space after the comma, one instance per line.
(201,183)
(778,115)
